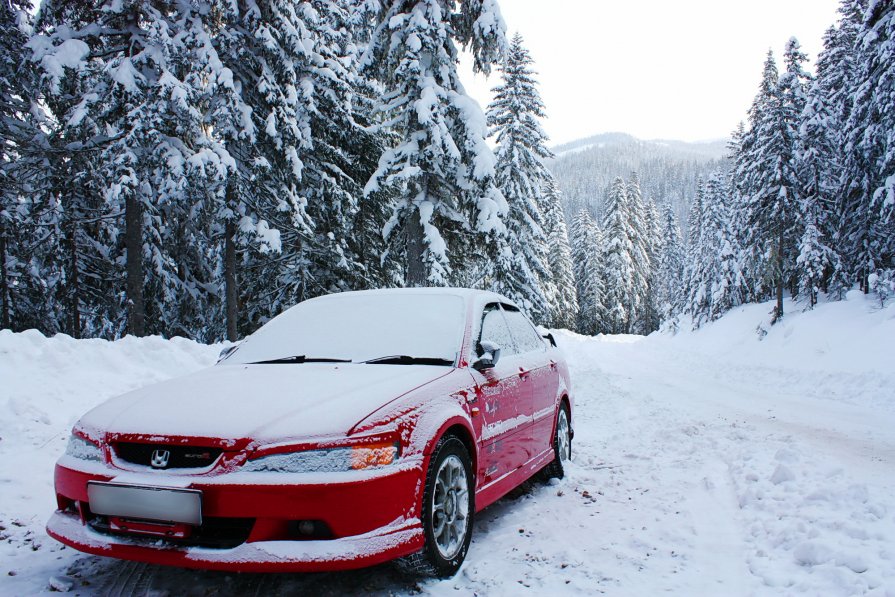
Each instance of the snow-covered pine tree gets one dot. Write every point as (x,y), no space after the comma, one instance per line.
(870,144)
(669,271)
(76,261)
(441,168)
(772,181)
(22,292)
(694,217)
(297,64)
(559,258)
(587,258)
(513,115)
(619,273)
(820,173)
(578,247)
(144,88)
(639,236)
(715,281)
(652,317)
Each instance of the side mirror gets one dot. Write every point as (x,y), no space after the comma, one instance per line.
(227,352)
(490,355)
(549,337)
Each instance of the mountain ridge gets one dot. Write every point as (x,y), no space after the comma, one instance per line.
(709,149)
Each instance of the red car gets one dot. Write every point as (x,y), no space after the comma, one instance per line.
(350,430)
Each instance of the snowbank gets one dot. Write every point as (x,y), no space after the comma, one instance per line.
(46,384)
(854,335)
(738,459)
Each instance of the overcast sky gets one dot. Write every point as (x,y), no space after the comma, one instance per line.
(658,69)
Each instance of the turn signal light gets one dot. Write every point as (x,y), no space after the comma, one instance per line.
(372,455)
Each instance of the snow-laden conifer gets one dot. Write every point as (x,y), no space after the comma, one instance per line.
(669,271)
(559,258)
(587,257)
(618,262)
(441,167)
(639,234)
(521,272)
(870,146)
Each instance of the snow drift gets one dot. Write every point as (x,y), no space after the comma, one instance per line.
(741,458)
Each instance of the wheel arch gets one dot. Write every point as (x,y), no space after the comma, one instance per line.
(461,429)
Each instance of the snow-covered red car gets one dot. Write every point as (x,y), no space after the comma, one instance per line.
(350,430)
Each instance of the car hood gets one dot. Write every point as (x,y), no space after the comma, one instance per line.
(264,403)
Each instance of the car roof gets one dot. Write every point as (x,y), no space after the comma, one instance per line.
(468,294)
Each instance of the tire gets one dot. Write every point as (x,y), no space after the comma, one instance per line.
(562,445)
(447,513)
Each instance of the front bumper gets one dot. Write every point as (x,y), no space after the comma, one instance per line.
(371,519)
(260,556)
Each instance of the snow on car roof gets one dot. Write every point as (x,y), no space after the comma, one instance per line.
(465,293)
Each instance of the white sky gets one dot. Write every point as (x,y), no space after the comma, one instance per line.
(657,69)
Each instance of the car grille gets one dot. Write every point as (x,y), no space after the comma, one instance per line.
(177,456)
(217,533)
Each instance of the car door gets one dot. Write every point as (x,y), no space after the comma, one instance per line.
(541,379)
(501,393)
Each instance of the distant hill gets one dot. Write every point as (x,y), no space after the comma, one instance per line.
(668,169)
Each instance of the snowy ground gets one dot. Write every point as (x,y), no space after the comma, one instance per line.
(706,463)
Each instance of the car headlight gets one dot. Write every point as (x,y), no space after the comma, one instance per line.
(82,449)
(330,460)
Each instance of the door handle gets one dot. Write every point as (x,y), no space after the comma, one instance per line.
(523,374)
(553,365)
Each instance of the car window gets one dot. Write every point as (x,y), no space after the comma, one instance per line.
(494,329)
(526,337)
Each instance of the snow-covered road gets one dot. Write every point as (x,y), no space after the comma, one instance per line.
(707,463)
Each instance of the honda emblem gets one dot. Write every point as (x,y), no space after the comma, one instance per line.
(160,458)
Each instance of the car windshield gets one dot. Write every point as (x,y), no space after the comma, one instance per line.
(361,327)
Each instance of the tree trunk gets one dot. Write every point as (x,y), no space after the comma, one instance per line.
(4,284)
(230,282)
(133,242)
(74,291)
(778,313)
(416,267)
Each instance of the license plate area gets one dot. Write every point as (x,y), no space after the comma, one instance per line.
(161,504)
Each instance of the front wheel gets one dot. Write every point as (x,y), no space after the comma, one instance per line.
(447,513)
(562,446)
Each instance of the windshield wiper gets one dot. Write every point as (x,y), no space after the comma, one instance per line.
(405,359)
(299,358)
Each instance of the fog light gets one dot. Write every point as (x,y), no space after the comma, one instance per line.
(308,530)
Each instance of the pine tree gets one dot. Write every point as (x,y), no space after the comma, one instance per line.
(22,290)
(870,144)
(559,258)
(145,96)
(820,172)
(772,181)
(441,168)
(618,261)
(654,240)
(669,272)
(715,281)
(639,235)
(302,179)
(513,115)
(587,258)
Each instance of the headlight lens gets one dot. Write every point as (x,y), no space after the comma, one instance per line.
(80,448)
(326,461)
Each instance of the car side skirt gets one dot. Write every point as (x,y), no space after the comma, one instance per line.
(496,489)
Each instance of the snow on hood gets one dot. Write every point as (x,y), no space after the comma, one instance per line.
(266,403)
